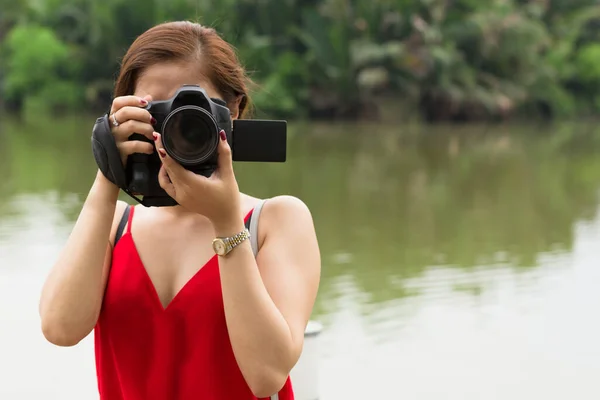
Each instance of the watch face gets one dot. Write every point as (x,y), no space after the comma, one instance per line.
(219,246)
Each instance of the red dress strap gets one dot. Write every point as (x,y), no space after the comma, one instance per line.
(247,217)
(130,218)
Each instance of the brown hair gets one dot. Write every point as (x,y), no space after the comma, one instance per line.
(187,41)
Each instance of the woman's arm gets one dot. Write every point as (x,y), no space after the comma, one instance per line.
(72,294)
(268,306)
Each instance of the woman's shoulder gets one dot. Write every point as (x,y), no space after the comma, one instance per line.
(285,211)
(279,206)
(287,224)
(287,204)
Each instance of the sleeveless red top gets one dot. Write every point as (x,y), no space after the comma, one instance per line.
(181,352)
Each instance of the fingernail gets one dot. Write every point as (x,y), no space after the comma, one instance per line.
(223,135)
(162,153)
(143,102)
(153,121)
(155,136)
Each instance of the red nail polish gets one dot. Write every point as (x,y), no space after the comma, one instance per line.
(223,135)
(162,153)
(155,136)
(153,121)
(143,102)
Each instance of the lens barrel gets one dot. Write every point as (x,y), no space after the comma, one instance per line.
(190,135)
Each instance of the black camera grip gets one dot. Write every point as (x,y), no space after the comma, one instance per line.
(106,153)
(138,165)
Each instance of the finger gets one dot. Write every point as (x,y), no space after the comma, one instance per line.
(175,170)
(136,113)
(133,101)
(128,128)
(135,146)
(225,163)
(165,182)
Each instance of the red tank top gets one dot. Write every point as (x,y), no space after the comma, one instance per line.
(181,352)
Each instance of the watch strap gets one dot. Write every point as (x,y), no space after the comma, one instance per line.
(250,232)
(233,241)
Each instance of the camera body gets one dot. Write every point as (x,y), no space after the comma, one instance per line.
(189,124)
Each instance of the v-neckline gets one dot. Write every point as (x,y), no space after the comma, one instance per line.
(208,264)
(150,283)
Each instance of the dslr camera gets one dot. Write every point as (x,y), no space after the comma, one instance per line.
(189,124)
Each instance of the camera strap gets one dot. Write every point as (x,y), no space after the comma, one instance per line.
(106,153)
(109,162)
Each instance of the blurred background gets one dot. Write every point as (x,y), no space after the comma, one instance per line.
(447,149)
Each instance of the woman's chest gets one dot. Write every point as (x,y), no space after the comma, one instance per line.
(163,279)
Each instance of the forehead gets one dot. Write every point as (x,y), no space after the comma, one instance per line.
(161,81)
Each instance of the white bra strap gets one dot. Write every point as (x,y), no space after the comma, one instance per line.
(254,226)
(254,243)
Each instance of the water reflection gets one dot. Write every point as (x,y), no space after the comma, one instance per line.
(452,257)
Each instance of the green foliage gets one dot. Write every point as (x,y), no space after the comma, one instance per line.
(459,60)
(38,64)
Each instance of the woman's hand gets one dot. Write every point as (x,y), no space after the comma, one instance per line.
(131,117)
(217,197)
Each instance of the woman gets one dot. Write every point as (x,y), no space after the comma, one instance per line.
(166,325)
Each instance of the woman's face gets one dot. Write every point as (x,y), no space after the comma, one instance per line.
(161,81)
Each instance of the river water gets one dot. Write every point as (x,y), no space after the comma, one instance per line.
(458,262)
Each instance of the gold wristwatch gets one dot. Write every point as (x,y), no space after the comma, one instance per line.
(222,246)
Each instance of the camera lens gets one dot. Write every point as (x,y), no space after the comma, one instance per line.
(190,135)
